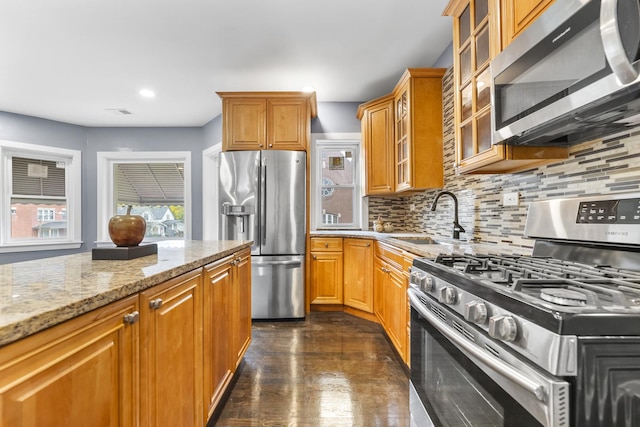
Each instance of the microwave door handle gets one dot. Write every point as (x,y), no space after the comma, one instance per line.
(538,390)
(612,43)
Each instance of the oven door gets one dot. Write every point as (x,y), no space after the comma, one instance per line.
(461,378)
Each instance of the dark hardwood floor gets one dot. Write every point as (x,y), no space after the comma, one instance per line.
(332,369)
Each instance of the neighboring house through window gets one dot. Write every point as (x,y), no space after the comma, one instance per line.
(155,184)
(336,184)
(41,201)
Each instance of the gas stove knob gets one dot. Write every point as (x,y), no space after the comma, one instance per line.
(503,328)
(427,284)
(476,312)
(448,295)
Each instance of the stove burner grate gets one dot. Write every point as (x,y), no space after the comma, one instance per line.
(565,297)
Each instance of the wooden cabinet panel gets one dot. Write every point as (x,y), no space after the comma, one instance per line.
(379,283)
(395,300)
(517,15)
(218,357)
(326,278)
(244,124)
(241,317)
(267,120)
(377,135)
(171,368)
(358,274)
(287,124)
(82,372)
(326,244)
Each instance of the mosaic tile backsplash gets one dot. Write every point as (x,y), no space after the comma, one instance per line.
(600,167)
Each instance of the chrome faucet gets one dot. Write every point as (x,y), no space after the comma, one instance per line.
(457,228)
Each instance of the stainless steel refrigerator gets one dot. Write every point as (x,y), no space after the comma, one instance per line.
(263,198)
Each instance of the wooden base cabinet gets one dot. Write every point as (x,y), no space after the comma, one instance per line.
(358,277)
(171,352)
(241,305)
(390,295)
(227,323)
(81,372)
(326,271)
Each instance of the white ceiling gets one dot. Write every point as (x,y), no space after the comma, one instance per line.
(71,60)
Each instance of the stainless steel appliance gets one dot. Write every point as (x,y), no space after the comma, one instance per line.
(551,339)
(263,198)
(570,77)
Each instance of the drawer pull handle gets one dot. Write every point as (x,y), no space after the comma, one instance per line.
(155,303)
(326,245)
(131,318)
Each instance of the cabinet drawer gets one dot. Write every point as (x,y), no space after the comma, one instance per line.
(389,254)
(326,244)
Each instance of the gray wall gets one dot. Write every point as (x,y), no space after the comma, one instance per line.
(141,139)
(333,117)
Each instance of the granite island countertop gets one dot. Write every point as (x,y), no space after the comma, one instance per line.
(35,295)
(441,246)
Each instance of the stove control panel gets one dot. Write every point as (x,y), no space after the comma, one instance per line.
(623,211)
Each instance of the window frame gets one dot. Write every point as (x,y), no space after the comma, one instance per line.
(105,185)
(349,142)
(73,195)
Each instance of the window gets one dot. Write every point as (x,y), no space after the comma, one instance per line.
(46,214)
(337,189)
(155,184)
(42,199)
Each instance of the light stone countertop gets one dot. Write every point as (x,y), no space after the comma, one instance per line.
(440,246)
(35,295)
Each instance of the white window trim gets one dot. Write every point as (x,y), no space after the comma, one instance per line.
(73,192)
(106,161)
(210,160)
(362,206)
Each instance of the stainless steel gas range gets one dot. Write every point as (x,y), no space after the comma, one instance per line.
(551,339)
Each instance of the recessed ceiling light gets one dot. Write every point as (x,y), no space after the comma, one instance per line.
(308,89)
(147,93)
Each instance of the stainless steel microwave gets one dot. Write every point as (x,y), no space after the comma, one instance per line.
(572,76)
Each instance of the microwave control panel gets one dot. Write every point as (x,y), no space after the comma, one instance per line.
(624,211)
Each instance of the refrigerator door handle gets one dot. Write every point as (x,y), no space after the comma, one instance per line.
(281,263)
(263,203)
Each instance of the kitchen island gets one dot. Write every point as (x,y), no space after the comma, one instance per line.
(88,342)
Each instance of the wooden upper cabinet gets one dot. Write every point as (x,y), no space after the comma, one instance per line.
(518,14)
(402,134)
(376,119)
(418,130)
(267,120)
(477,40)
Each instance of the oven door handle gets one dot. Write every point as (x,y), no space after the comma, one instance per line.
(538,390)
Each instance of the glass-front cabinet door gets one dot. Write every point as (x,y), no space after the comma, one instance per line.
(476,41)
(403,159)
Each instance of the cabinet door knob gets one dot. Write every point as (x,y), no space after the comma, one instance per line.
(368,244)
(259,145)
(131,318)
(270,145)
(155,303)
(315,257)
